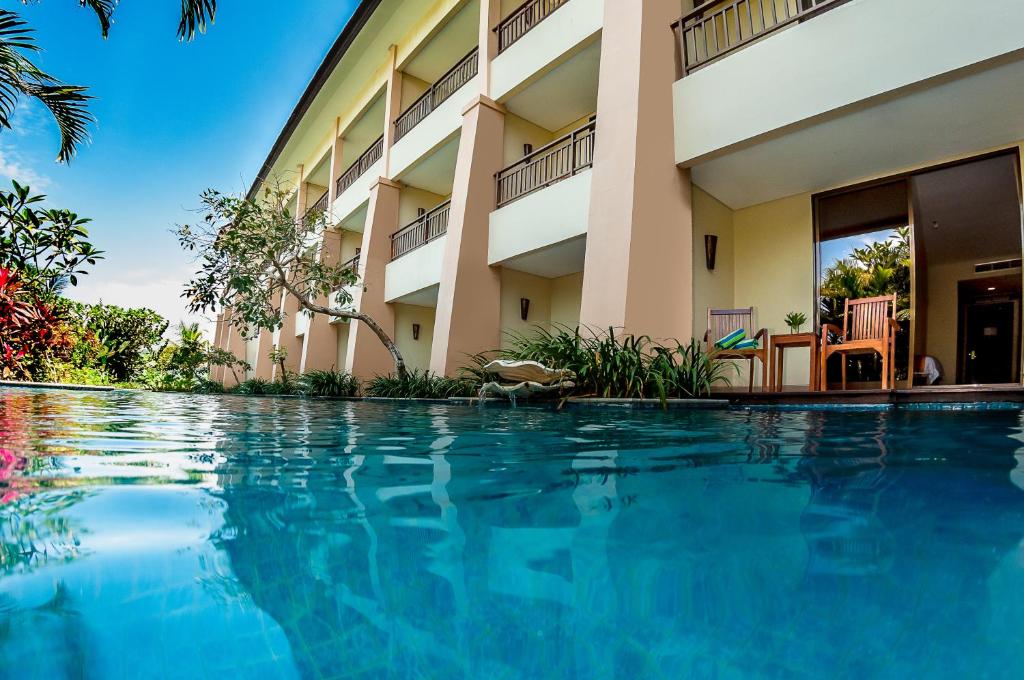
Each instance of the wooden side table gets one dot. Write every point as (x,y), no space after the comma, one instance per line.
(780,343)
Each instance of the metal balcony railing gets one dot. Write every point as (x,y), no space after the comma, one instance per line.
(362,164)
(548,165)
(522,20)
(715,29)
(352,264)
(439,92)
(317,208)
(421,231)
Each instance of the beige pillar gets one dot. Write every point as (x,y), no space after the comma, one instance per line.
(490,14)
(392,106)
(366,356)
(219,341)
(468,316)
(287,338)
(301,192)
(235,344)
(637,273)
(337,147)
(320,350)
(263,369)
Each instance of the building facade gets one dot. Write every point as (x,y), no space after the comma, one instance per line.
(491,166)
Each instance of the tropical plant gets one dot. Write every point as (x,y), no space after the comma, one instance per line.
(68,104)
(216,356)
(29,328)
(794,320)
(125,336)
(328,384)
(417,384)
(252,252)
(626,366)
(253,386)
(47,247)
(882,268)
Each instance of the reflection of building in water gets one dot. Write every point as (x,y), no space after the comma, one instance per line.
(763,544)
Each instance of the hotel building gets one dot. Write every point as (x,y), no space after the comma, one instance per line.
(491,166)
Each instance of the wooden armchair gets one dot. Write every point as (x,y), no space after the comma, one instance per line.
(869,327)
(721,322)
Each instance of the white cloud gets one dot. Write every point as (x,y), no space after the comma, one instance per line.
(12,166)
(140,289)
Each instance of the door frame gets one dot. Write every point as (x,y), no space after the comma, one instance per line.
(963,304)
(906,176)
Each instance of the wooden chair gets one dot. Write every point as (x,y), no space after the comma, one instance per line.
(869,327)
(721,322)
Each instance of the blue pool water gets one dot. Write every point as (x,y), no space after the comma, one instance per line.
(148,535)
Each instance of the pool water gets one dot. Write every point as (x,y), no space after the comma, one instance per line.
(146,535)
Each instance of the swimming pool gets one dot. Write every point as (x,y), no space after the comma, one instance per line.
(146,535)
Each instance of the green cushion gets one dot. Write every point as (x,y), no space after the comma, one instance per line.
(729,341)
(746,344)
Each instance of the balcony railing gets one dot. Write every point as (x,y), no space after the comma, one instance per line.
(318,208)
(552,163)
(421,231)
(352,264)
(522,20)
(362,164)
(439,92)
(715,30)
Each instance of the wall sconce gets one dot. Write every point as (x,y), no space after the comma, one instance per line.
(710,250)
(524,308)
(415,331)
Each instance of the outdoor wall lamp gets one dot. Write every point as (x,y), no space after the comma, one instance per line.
(710,250)
(524,308)
(415,331)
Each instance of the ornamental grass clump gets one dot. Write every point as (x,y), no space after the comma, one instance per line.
(607,365)
(328,384)
(418,385)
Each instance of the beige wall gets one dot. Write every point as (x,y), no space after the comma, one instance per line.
(943,309)
(774,270)
(711,289)
(519,131)
(566,294)
(411,200)
(415,352)
(515,286)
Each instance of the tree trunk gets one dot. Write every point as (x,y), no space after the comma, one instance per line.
(381,334)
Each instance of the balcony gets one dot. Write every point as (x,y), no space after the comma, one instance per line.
(538,37)
(362,164)
(352,264)
(849,93)
(713,30)
(318,208)
(424,229)
(522,20)
(548,165)
(439,92)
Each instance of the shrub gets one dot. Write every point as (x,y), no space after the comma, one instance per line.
(418,385)
(253,386)
(208,387)
(626,366)
(328,384)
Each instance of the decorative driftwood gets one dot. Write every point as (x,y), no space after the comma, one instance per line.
(527,371)
(522,390)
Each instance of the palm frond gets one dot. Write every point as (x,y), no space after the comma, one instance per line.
(20,77)
(104,10)
(195,15)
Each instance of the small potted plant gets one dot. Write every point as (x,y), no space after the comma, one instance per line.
(795,320)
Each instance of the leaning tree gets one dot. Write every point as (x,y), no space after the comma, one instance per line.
(252,252)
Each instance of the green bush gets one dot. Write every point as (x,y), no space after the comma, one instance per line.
(253,386)
(328,384)
(208,387)
(627,366)
(418,385)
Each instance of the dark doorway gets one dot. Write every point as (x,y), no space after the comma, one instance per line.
(989,337)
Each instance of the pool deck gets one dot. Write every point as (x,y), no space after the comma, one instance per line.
(941,394)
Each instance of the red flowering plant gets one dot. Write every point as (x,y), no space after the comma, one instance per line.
(30,330)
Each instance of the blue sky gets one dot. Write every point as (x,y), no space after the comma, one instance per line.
(172,119)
